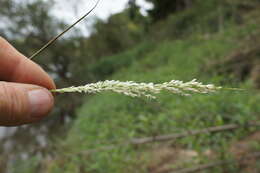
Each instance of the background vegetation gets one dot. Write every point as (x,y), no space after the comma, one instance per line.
(216,41)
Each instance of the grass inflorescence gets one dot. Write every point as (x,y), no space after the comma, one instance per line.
(148,90)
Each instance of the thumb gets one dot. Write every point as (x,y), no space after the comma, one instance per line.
(23,104)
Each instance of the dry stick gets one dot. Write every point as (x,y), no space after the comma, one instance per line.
(217,163)
(61,34)
(190,133)
(164,138)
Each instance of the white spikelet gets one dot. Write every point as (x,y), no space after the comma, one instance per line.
(134,89)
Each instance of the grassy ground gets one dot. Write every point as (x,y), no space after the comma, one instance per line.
(110,119)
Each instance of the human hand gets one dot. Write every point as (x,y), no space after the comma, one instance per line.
(23,95)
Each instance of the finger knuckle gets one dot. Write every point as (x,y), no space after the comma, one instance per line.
(10,102)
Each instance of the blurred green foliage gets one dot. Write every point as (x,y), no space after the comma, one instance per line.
(112,119)
(163,9)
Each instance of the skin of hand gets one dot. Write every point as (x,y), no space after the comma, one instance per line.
(24,88)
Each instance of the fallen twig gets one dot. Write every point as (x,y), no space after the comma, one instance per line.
(170,137)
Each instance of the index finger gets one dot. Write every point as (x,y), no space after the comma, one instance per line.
(15,67)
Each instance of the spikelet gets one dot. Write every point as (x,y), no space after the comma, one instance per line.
(148,90)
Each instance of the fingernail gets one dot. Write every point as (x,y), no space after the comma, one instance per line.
(40,102)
